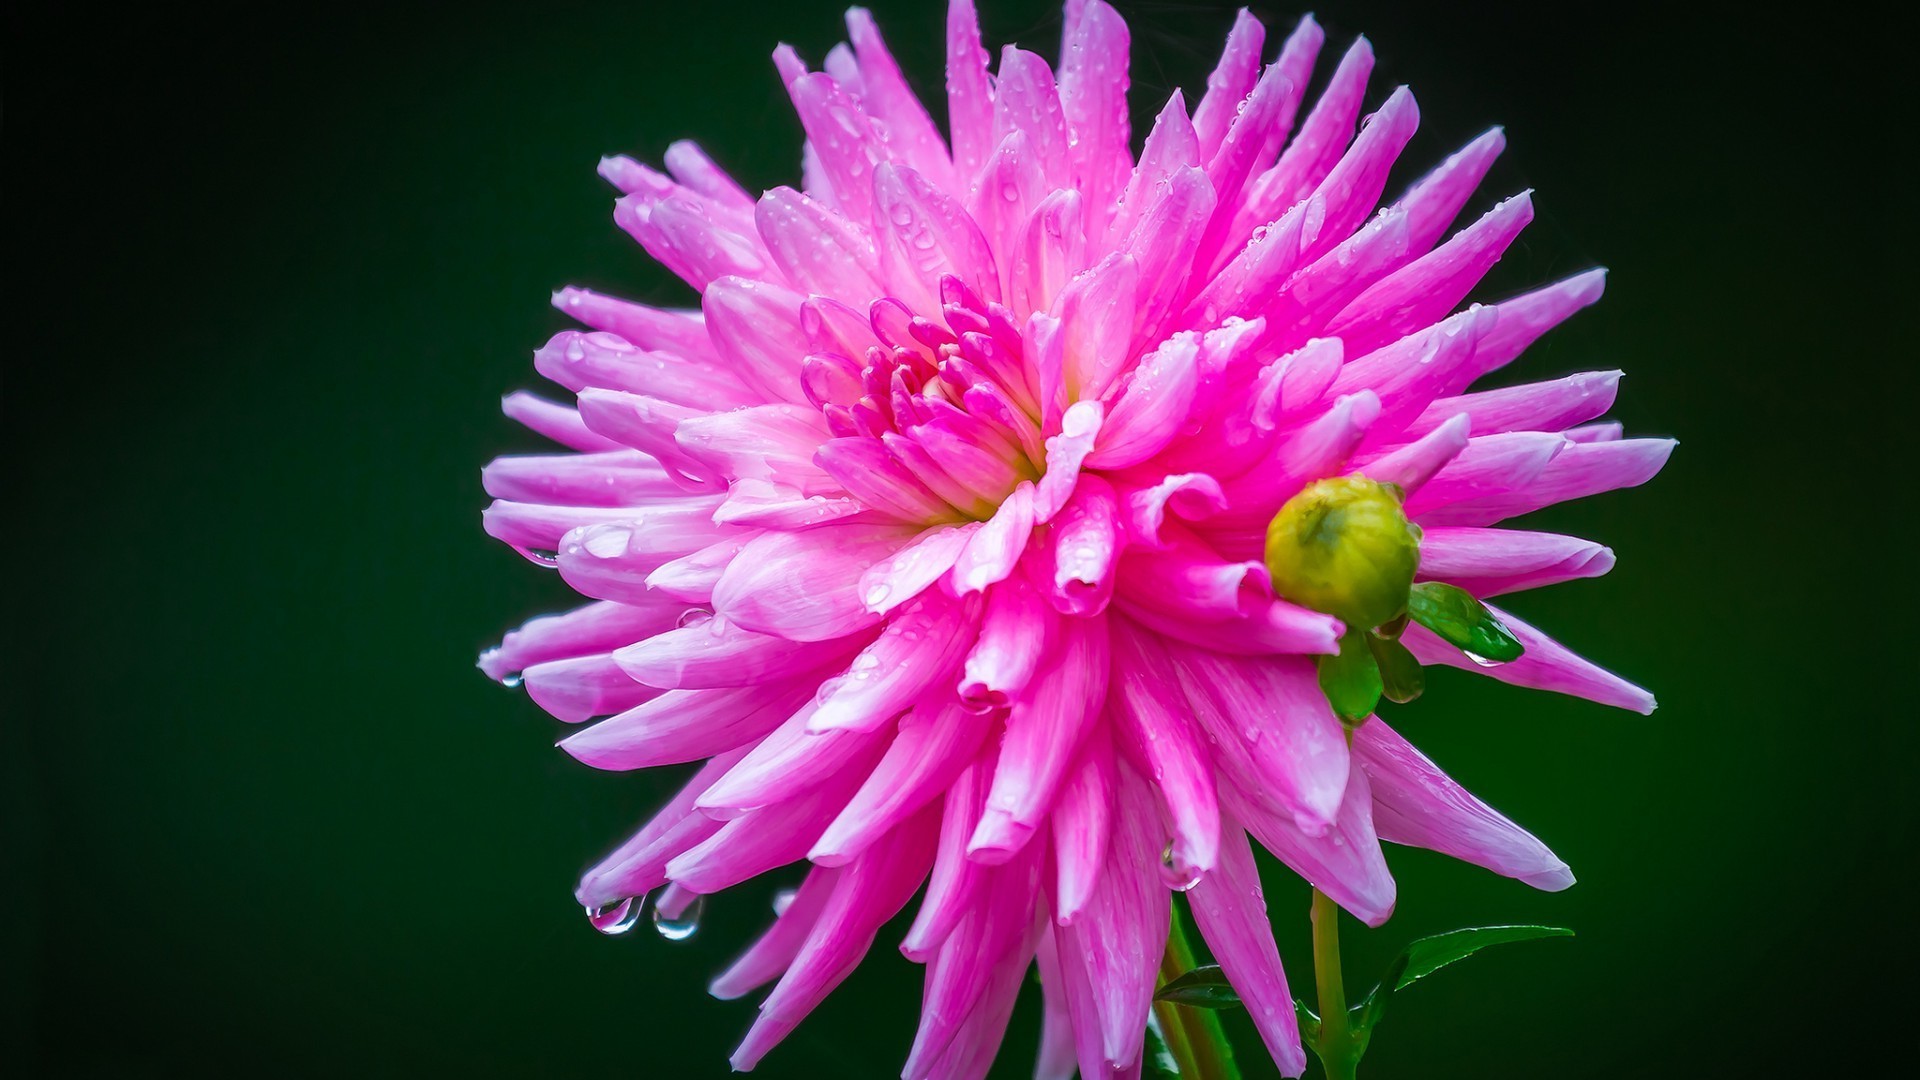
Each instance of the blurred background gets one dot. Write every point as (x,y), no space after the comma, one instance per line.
(263,816)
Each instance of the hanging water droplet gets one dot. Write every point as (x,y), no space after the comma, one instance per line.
(1175,872)
(513,681)
(538,556)
(682,927)
(783,900)
(616,919)
(1483,661)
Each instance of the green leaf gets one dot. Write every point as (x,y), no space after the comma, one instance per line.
(1205,987)
(1401,679)
(1463,622)
(1430,954)
(1351,680)
(1427,955)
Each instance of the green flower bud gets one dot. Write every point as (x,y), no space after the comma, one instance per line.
(1344,546)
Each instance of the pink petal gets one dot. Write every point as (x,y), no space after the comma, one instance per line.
(1523,319)
(1231,81)
(754,325)
(906,573)
(1488,467)
(614,478)
(1079,430)
(1346,863)
(638,866)
(995,549)
(771,955)
(1025,101)
(1230,909)
(843,141)
(1093,98)
(1270,727)
(1415,803)
(558,422)
(805,586)
(1428,288)
(924,233)
(1152,406)
(1435,199)
(868,893)
(596,628)
(875,477)
(1044,729)
(583,687)
(1191,496)
(612,561)
(920,648)
(1082,821)
(910,133)
(969,93)
(955,879)
(1086,542)
(1412,465)
(1547,665)
(718,653)
(1489,562)
(1157,735)
(1579,470)
(1015,632)
(935,742)
(682,333)
(685,725)
(577,361)
(1262,628)
(1113,948)
(1187,580)
(817,249)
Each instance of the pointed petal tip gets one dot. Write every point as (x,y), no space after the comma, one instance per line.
(1555,879)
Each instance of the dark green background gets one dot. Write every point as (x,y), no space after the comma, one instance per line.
(264,818)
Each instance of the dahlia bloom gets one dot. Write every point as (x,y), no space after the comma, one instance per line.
(935,533)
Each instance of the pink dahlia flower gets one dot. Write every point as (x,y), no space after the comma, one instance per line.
(936,531)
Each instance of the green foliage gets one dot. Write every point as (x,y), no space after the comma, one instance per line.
(1462,621)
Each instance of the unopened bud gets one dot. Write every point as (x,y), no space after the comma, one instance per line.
(1344,546)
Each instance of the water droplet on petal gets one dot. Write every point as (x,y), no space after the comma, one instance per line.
(616,919)
(1175,872)
(683,927)
(1483,661)
(539,557)
(694,617)
(513,681)
(783,900)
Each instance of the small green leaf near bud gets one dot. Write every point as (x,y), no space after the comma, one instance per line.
(1344,546)
(1401,679)
(1351,680)
(1463,622)
(1204,987)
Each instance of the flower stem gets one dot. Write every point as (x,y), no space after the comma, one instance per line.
(1338,1051)
(1193,1036)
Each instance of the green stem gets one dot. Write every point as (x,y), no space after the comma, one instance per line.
(1194,1036)
(1338,1052)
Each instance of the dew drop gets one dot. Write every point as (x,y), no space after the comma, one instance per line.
(618,918)
(1176,873)
(783,900)
(682,927)
(1483,661)
(539,556)
(693,617)
(513,681)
